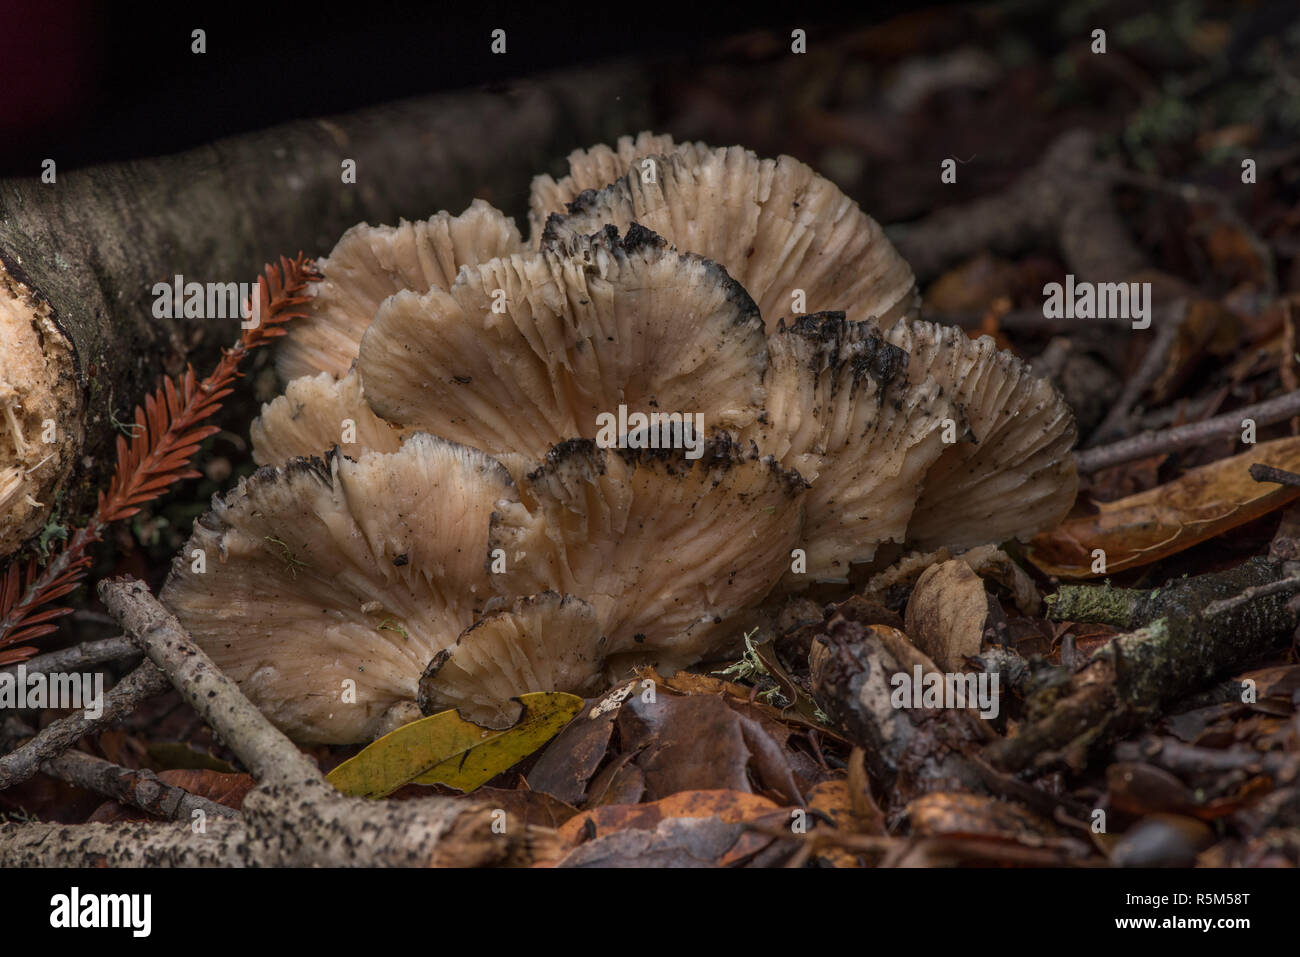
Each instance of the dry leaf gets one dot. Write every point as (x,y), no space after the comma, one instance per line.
(1151,525)
(946,614)
(724,805)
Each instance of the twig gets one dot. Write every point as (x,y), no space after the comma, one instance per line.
(1267,473)
(139,788)
(1257,591)
(1170,322)
(84,655)
(1185,436)
(1175,650)
(269,756)
(23,762)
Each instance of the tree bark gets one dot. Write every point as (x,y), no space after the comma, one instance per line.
(79,257)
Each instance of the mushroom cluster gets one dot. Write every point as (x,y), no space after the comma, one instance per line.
(501,467)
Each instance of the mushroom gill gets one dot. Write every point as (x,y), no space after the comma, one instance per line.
(1016,475)
(778,228)
(845,409)
(371,263)
(546,642)
(324,588)
(664,546)
(529,350)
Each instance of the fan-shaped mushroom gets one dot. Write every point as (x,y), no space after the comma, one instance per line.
(318,413)
(529,350)
(371,263)
(306,578)
(1016,476)
(846,410)
(663,546)
(775,225)
(546,642)
(596,168)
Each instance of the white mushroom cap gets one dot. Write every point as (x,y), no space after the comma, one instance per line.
(546,642)
(371,263)
(844,409)
(313,416)
(1016,476)
(596,168)
(775,225)
(665,548)
(322,573)
(579,330)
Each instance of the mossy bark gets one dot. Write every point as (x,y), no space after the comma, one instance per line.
(1175,650)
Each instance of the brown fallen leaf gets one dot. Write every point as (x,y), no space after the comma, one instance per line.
(699,742)
(1162,521)
(728,806)
(946,614)
(947,813)
(679,842)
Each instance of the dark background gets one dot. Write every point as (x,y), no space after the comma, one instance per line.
(90,82)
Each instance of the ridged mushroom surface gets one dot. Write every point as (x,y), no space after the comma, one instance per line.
(371,263)
(546,642)
(324,573)
(848,413)
(1015,476)
(775,225)
(666,548)
(527,351)
(318,413)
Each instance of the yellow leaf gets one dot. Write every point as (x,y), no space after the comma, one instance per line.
(446,749)
(1139,529)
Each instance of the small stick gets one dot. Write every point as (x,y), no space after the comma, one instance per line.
(84,655)
(23,762)
(1267,473)
(1255,591)
(1152,364)
(1185,436)
(269,755)
(139,788)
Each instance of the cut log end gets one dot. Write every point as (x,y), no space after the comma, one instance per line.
(40,411)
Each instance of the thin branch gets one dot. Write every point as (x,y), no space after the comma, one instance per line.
(264,750)
(84,655)
(1169,324)
(57,737)
(139,788)
(1267,473)
(293,817)
(1185,436)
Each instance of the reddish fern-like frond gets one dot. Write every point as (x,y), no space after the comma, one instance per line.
(168,431)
